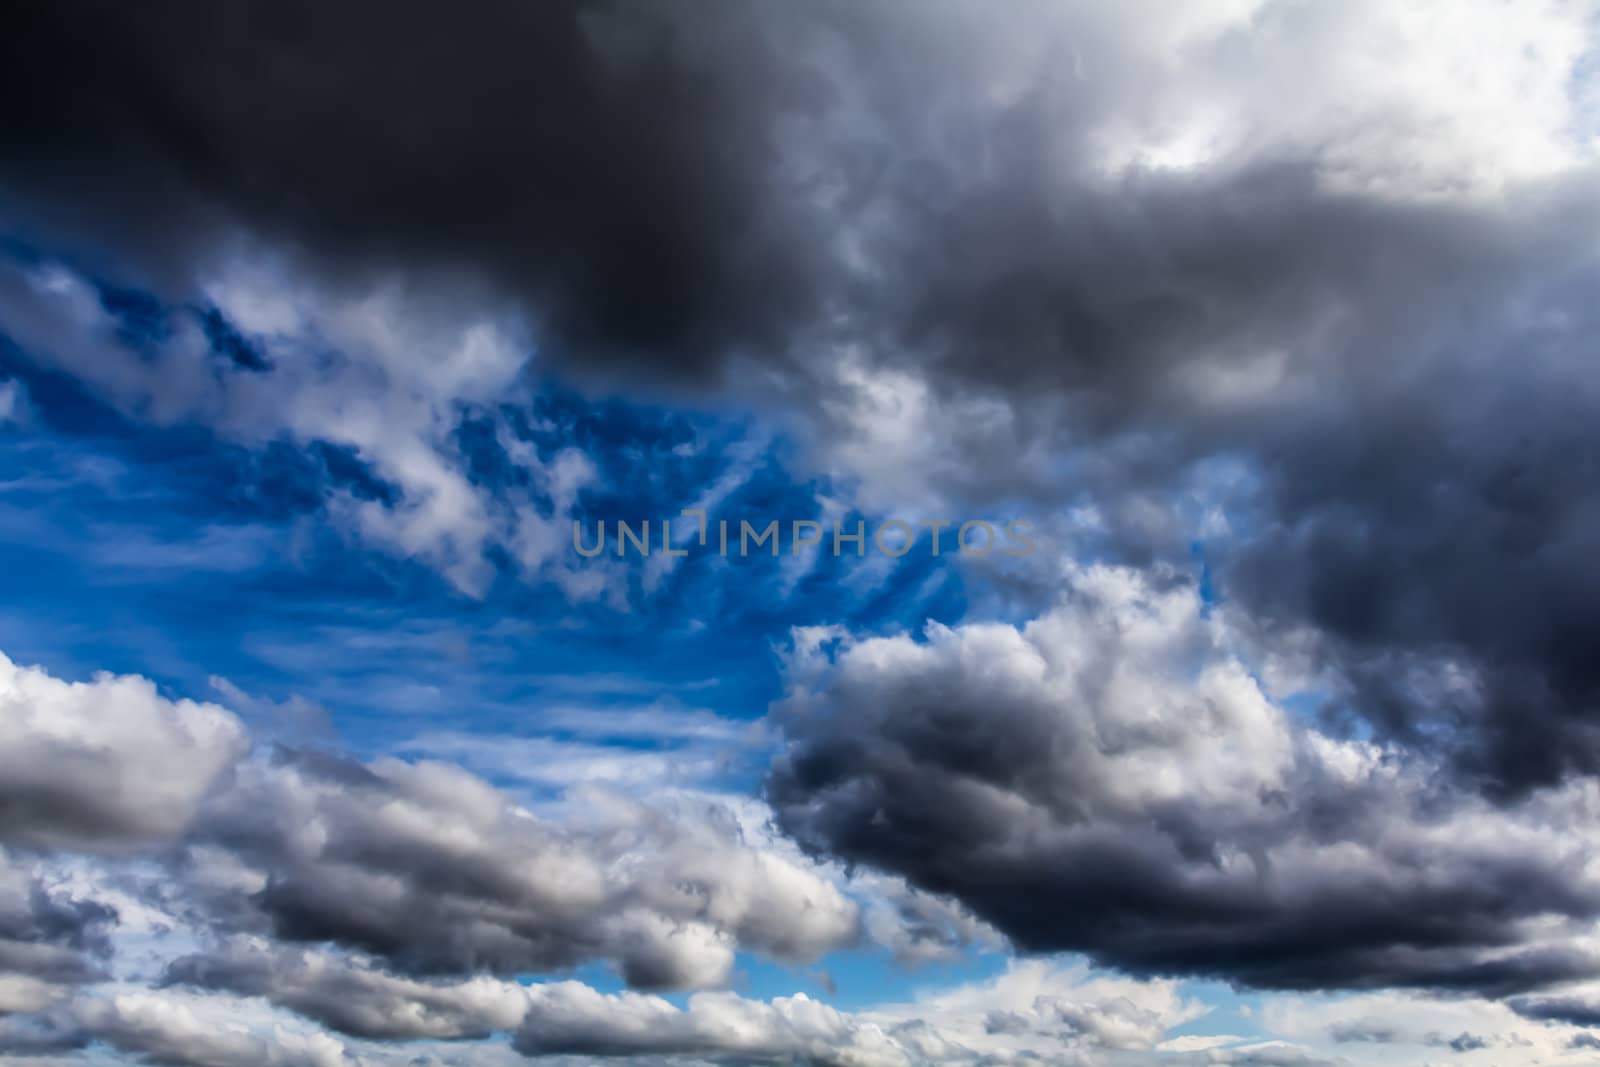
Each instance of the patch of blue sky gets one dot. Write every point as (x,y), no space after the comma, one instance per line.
(135,548)
(868,976)
(1232,1012)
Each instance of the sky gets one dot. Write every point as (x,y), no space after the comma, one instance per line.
(875,534)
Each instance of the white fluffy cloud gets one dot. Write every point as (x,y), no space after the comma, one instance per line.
(385,370)
(108,762)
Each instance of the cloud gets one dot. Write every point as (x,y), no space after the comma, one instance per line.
(14,407)
(627,241)
(1110,778)
(375,383)
(353,1000)
(107,763)
(435,871)
(422,864)
(919,927)
(1406,1027)
(50,939)
(572,1019)
(1577,1007)
(1030,1010)
(162,1029)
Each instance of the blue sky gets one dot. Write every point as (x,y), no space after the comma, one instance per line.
(160,534)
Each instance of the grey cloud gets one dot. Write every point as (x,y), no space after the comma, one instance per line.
(565,1018)
(1404,383)
(575,1020)
(919,927)
(71,774)
(49,937)
(1345,1033)
(1047,1017)
(1026,1013)
(423,864)
(352,1000)
(1391,338)
(1274,1056)
(1575,1010)
(1110,779)
(169,1033)
(423,868)
(435,871)
(34,1038)
(609,164)
(1464,1042)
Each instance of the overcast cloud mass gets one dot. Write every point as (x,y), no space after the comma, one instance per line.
(322,328)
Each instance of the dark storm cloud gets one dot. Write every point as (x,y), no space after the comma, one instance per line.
(1574,1010)
(1408,382)
(614,166)
(1110,780)
(1409,385)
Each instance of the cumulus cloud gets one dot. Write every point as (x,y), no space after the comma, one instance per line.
(573,1019)
(438,872)
(1111,778)
(423,864)
(919,927)
(351,999)
(1578,1006)
(175,1032)
(108,762)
